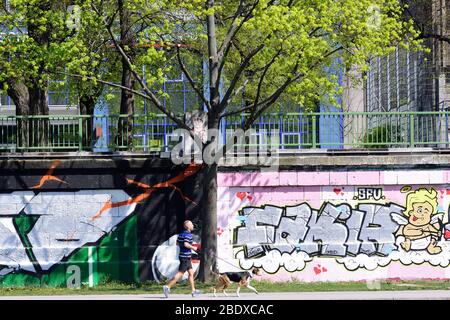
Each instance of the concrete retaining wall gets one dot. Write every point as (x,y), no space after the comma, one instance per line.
(336,225)
(66,221)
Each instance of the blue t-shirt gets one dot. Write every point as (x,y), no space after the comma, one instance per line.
(183,237)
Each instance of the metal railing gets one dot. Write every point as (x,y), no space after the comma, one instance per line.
(147,133)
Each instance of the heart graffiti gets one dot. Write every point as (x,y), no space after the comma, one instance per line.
(319,269)
(243,195)
(444,192)
(339,191)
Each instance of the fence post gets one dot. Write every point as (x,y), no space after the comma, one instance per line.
(314,132)
(411,130)
(80,133)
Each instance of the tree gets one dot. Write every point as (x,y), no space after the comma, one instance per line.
(36,40)
(127,41)
(97,57)
(264,50)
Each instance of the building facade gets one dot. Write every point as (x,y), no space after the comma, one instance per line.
(407,80)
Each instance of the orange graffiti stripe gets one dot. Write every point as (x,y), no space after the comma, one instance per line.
(140,184)
(49,176)
(109,205)
(190,170)
(161,185)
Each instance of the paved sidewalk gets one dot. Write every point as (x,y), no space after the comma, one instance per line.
(346,295)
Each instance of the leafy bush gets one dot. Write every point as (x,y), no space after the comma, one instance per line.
(383,136)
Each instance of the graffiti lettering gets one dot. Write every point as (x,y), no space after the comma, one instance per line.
(331,231)
(326,236)
(377,230)
(259,227)
(369,193)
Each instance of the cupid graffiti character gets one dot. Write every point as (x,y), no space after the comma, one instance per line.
(420,225)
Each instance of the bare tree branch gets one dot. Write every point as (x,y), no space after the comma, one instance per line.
(236,92)
(232,29)
(115,85)
(213,59)
(243,110)
(263,76)
(435,36)
(191,80)
(238,74)
(232,32)
(151,96)
(272,98)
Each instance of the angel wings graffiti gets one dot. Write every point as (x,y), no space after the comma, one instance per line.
(420,225)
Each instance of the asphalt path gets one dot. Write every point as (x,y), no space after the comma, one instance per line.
(340,295)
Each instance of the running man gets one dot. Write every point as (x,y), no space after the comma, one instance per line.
(184,241)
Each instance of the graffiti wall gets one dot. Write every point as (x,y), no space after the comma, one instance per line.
(336,226)
(73,222)
(70,222)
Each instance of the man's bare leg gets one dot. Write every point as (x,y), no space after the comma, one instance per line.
(175,279)
(191,279)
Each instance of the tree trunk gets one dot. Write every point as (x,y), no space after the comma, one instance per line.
(40,127)
(126,108)
(208,261)
(87,104)
(20,95)
(87,107)
(39,132)
(125,136)
(209,224)
(209,209)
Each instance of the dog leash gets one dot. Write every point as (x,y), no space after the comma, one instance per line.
(215,255)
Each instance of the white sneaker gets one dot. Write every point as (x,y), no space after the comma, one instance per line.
(195,293)
(166,291)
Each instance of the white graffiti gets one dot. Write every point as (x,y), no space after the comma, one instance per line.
(12,253)
(332,230)
(274,259)
(65,222)
(165,260)
(405,257)
(273,237)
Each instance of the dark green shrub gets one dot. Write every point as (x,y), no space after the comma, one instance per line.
(383,136)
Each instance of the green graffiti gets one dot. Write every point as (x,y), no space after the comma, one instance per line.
(24,224)
(113,258)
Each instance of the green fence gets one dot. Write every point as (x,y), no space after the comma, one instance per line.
(145,133)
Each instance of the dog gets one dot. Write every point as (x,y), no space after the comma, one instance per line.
(241,278)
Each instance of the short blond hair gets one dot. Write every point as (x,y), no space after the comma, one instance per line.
(186,223)
(420,196)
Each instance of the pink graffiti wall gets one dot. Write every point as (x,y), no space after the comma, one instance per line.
(335,226)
